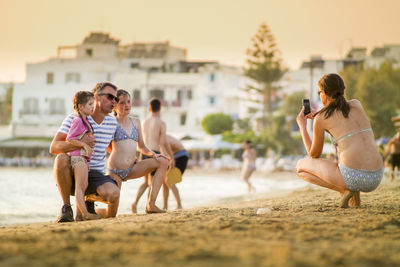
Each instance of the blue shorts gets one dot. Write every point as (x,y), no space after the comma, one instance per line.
(95,179)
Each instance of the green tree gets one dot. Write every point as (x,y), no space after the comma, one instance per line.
(278,137)
(264,66)
(6,106)
(377,90)
(217,123)
(291,106)
(350,77)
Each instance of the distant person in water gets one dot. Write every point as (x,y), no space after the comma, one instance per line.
(80,126)
(394,155)
(249,164)
(359,167)
(123,164)
(181,157)
(155,138)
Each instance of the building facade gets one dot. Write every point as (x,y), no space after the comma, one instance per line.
(188,90)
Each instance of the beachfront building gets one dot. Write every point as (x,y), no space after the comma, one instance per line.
(188,90)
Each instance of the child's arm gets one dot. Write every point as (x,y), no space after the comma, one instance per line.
(81,144)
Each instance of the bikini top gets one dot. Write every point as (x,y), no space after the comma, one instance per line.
(335,142)
(121,134)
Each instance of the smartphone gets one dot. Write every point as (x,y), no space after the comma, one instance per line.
(307,108)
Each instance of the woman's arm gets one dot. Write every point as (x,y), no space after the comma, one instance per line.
(313,147)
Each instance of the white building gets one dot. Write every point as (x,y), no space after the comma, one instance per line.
(188,90)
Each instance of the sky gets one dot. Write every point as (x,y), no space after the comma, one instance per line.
(218,30)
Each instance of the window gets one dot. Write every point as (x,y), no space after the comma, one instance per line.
(74,77)
(183,119)
(189,94)
(31,106)
(56,106)
(212,77)
(136,94)
(157,93)
(211,100)
(50,78)
(134,65)
(179,95)
(89,52)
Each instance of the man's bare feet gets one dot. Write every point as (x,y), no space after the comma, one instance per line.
(344,202)
(133,208)
(154,209)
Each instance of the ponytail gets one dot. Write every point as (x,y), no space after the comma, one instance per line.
(340,104)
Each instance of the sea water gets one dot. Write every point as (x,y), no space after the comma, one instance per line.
(29,195)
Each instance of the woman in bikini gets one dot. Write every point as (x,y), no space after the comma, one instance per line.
(359,166)
(249,164)
(123,164)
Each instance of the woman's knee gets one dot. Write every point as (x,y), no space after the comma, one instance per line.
(300,165)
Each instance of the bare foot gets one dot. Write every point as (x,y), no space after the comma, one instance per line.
(344,202)
(133,207)
(90,216)
(355,201)
(179,208)
(78,216)
(154,209)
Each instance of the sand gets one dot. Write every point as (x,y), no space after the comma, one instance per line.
(305,228)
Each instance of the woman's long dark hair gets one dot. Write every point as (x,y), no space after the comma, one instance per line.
(333,86)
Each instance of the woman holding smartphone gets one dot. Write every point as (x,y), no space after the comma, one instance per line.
(359,166)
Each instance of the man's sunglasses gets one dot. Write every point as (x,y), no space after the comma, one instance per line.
(110,97)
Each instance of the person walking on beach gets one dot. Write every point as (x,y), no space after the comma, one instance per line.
(181,157)
(359,166)
(122,163)
(249,164)
(80,126)
(104,127)
(155,138)
(394,150)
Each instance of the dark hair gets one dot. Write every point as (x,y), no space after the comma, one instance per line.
(155,104)
(121,92)
(100,86)
(333,86)
(248,142)
(81,97)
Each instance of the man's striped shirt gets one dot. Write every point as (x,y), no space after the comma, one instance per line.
(103,135)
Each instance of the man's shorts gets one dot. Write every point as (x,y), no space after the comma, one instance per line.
(181,163)
(181,160)
(146,157)
(95,179)
(395,159)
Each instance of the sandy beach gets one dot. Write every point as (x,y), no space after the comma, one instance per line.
(304,228)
